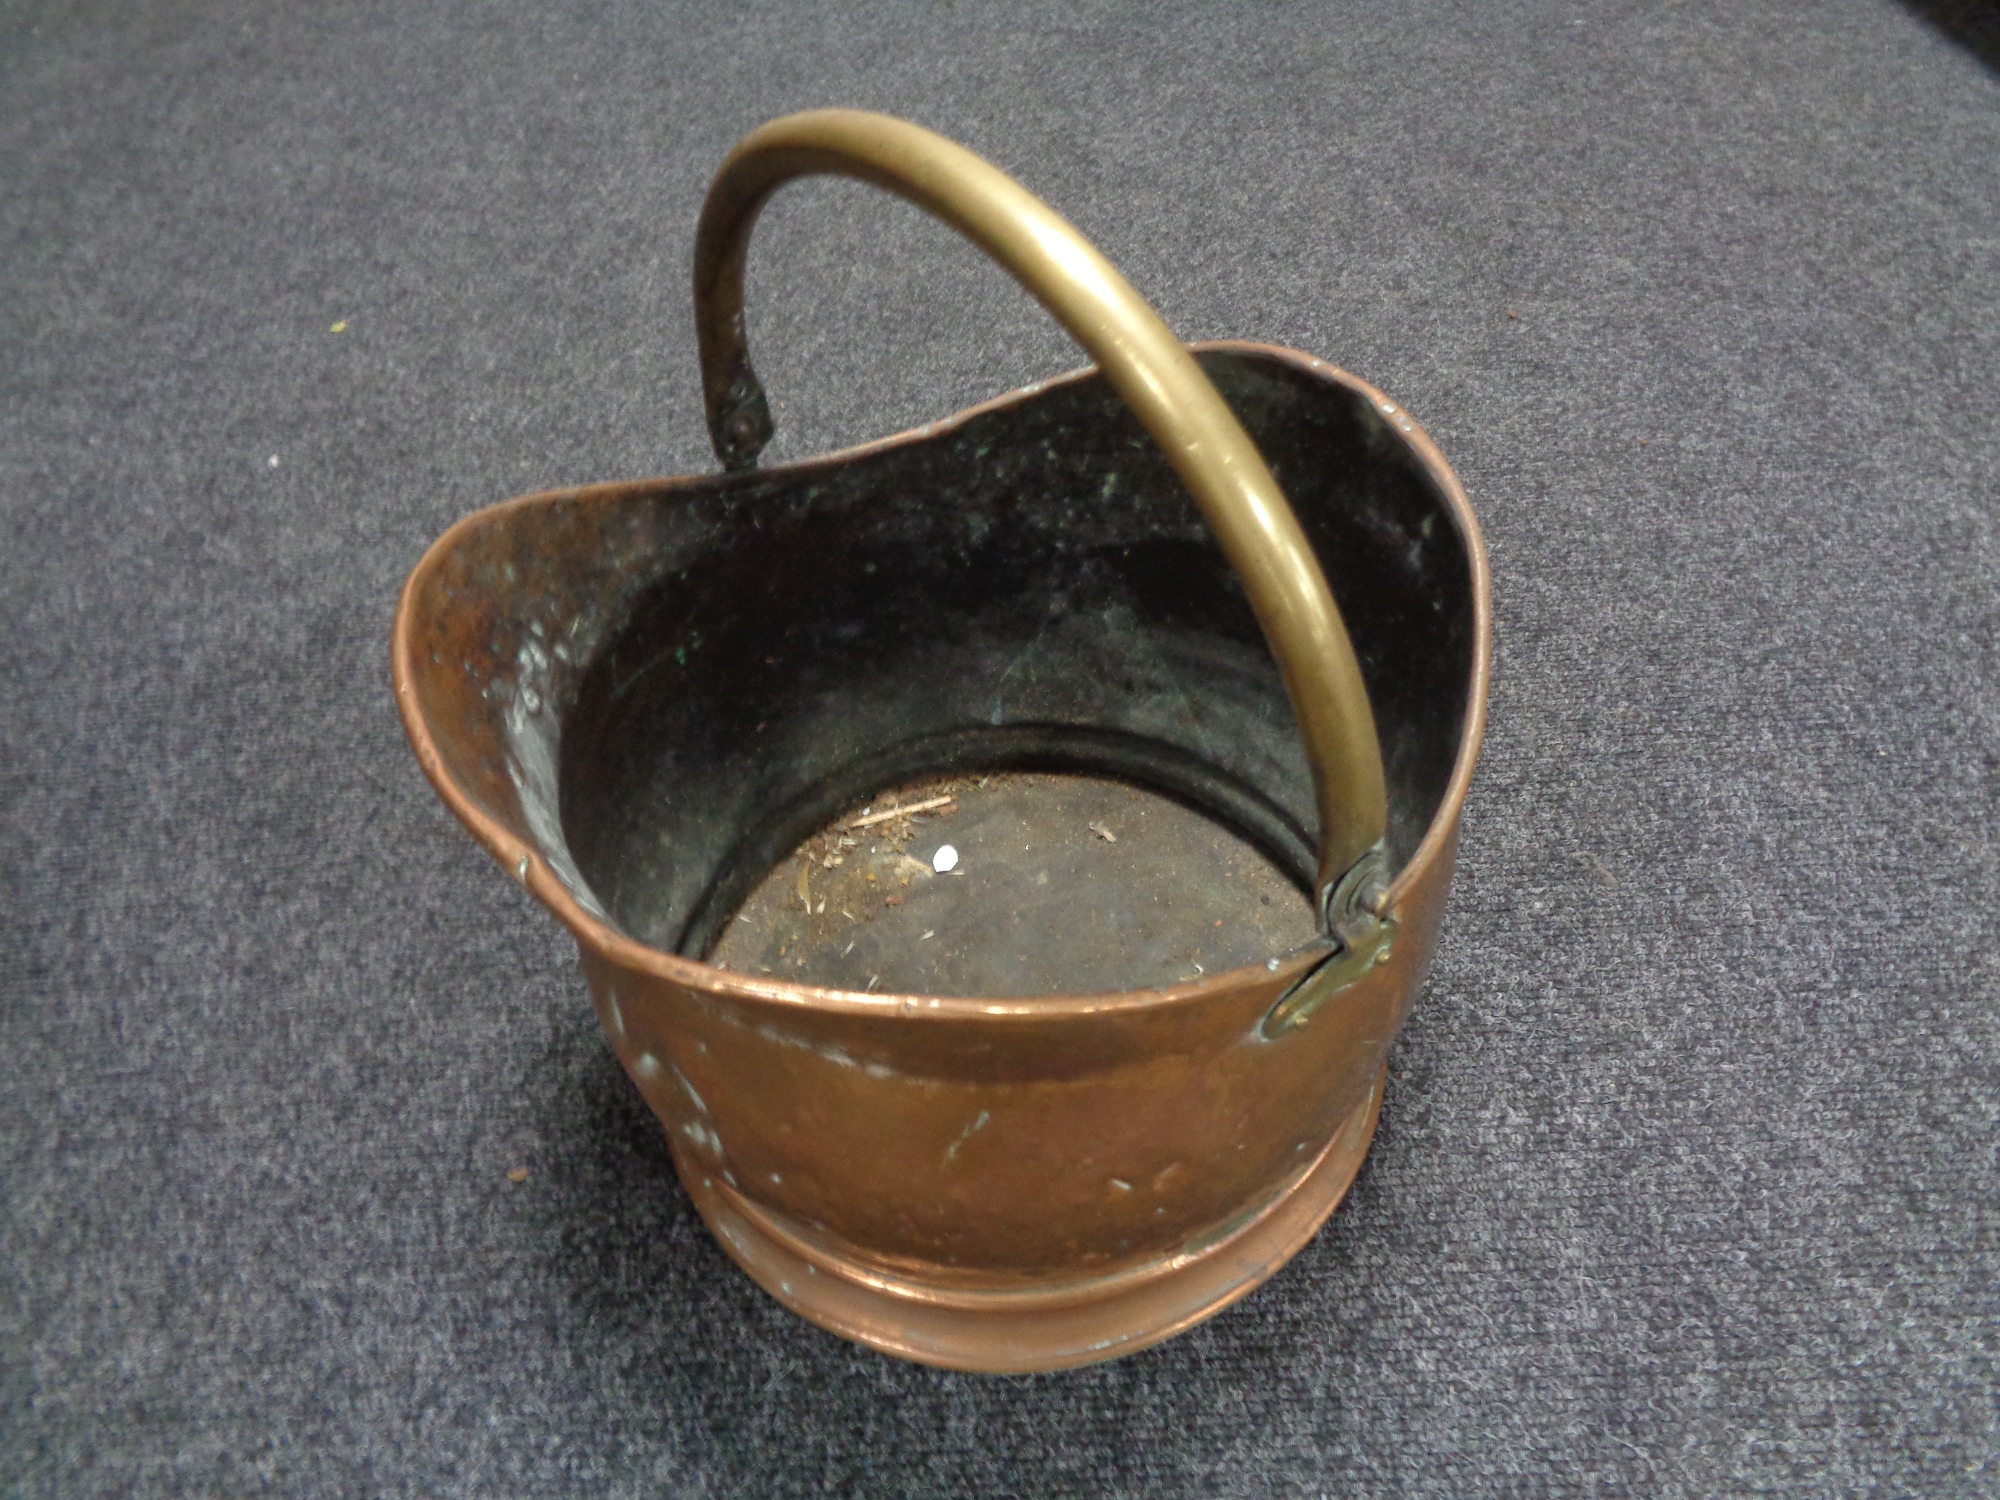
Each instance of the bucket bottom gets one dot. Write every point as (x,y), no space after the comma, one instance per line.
(1017,883)
(1052,1325)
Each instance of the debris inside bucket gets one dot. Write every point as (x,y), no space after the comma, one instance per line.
(1016,884)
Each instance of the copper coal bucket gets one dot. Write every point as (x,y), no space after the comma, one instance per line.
(990,853)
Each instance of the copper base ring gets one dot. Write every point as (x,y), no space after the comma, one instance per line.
(1057,1327)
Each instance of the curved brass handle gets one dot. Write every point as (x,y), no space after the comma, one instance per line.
(1145,364)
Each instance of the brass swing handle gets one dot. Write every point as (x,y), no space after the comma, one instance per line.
(1159,381)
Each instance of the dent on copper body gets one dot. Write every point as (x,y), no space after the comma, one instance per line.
(641,697)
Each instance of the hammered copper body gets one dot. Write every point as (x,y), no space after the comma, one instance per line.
(639,696)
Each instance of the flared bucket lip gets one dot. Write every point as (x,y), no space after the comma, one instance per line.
(521,858)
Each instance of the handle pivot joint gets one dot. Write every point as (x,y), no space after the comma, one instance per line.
(739,425)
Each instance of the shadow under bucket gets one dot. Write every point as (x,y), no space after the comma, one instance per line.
(1103,1067)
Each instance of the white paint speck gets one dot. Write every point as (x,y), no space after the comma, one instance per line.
(272,461)
(945,859)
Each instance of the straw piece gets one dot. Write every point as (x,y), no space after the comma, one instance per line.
(869,820)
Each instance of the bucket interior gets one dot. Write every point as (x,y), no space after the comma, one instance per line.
(671,688)
(1021,611)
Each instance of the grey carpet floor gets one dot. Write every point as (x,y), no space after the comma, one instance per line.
(1687,1180)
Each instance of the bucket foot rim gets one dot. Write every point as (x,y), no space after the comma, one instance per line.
(1102,1322)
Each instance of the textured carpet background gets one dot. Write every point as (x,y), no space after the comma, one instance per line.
(1687,1179)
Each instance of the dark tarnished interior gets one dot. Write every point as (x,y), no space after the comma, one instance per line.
(1030,590)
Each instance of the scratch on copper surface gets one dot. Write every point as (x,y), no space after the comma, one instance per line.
(966,1134)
